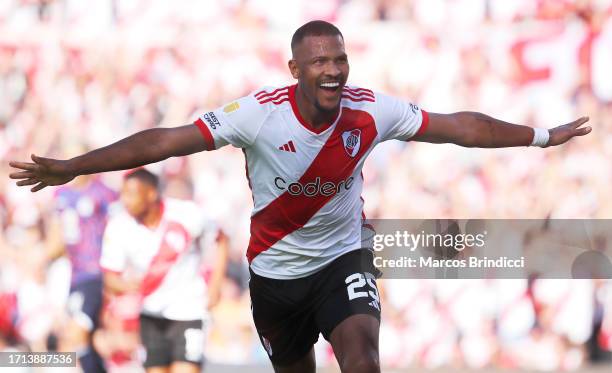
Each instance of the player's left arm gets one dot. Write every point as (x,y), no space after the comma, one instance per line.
(472,129)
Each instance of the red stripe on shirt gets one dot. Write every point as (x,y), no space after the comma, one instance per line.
(276,99)
(359,92)
(210,142)
(263,94)
(291,146)
(288,213)
(175,241)
(356,89)
(356,95)
(364,98)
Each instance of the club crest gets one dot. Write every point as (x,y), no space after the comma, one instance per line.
(352,141)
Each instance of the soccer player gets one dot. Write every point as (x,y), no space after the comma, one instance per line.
(305,145)
(153,247)
(76,230)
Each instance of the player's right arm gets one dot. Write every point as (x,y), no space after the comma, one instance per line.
(148,146)
(237,124)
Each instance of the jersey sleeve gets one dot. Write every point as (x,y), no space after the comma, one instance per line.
(113,257)
(397,119)
(236,123)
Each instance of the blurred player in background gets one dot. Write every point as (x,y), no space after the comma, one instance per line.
(305,146)
(76,230)
(153,247)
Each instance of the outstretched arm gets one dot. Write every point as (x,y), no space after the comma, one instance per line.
(148,146)
(471,129)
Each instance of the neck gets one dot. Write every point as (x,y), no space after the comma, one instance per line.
(152,216)
(311,114)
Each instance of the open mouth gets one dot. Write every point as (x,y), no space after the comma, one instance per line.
(331,87)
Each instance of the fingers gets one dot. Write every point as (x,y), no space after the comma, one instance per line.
(45,162)
(36,159)
(27,182)
(582,131)
(21,175)
(579,122)
(38,187)
(24,166)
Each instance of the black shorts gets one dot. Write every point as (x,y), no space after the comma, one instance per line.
(84,303)
(166,341)
(290,314)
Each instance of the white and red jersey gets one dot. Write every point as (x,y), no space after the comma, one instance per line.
(306,182)
(166,259)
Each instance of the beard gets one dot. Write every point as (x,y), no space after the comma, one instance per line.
(322,109)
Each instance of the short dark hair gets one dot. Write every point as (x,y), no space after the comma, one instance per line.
(314,28)
(145,176)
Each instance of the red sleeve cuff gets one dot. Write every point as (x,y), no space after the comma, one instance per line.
(210,142)
(424,123)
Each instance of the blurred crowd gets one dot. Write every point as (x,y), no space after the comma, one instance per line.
(77,75)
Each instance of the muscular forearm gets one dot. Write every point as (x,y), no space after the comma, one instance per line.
(482,131)
(134,151)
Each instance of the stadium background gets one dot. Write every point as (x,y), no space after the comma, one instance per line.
(76,74)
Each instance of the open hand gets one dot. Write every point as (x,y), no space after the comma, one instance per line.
(560,135)
(42,172)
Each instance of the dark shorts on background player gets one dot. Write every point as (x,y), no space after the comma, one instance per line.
(290,314)
(85,301)
(166,341)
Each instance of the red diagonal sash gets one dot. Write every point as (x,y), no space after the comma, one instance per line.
(175,241)
(287,213)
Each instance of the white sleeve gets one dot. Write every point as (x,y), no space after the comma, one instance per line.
(113,256)
(236,123)
(397,119)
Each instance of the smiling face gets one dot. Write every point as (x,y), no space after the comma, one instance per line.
(321,67)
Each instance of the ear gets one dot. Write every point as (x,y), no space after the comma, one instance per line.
(293,68)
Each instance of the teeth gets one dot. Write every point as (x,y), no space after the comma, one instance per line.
(330,85)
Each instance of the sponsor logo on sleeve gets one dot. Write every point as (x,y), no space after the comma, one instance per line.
(414,108)
(212,120)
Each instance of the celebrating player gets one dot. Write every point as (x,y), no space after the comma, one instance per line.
(153,247)
(305,146)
